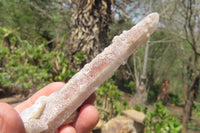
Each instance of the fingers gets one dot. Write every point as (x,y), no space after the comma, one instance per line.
(88,115)
(10,121)
(47,90)
(87,119)
(67,129)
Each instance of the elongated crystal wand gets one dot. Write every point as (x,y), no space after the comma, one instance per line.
(49,113)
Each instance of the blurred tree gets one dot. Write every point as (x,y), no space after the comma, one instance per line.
(191,19)
(48,18)
(91,19)
(181,19)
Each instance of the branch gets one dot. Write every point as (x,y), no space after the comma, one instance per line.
(160,41)
(40,10)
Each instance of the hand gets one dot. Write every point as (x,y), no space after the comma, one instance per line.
(10,121)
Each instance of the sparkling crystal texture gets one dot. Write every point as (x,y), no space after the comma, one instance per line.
(51,112)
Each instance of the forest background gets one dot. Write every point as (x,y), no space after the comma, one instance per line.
(50,40)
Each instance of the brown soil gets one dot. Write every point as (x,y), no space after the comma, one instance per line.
(13,100)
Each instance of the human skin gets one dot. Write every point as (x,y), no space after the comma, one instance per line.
(85,122)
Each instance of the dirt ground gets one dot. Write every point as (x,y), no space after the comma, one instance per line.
(13,101)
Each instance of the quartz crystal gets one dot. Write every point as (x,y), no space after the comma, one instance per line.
(50,112)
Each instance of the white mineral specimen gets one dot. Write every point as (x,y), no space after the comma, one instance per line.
(49,113)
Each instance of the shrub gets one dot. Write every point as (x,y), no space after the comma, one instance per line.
(29,66)
(175,99)
(159,121)
(196,107)
(109,100)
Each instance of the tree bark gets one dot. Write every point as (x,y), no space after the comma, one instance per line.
(141,93)
(91,20)
(191,95)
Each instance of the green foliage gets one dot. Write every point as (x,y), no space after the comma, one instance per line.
(7,32)
(19,68)
(119,25)
(175,99)
(153,93)
(159,121)
(65,73)
(110,100)
(28,65)
(140,109)
(131,85)
(196,107)
(23,76)
(80,57)
(34,17)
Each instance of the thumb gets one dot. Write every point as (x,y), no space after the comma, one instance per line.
(10,121)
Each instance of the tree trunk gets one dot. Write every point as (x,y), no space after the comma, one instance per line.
(141,93)
(191,95)
(91,20)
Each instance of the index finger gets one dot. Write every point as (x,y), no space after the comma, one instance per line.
(46,91)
